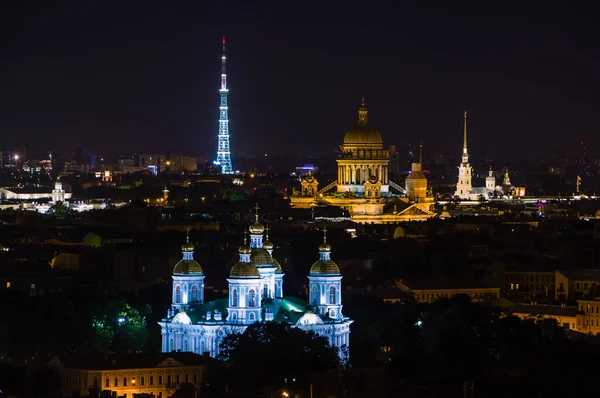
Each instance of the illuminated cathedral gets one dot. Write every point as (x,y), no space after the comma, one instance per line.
(255,295)
(363,186)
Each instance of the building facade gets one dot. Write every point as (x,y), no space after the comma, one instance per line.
(129,374)
(255,295)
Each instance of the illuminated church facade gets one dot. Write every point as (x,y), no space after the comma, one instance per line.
(464,186)
(363,186)
(255,295)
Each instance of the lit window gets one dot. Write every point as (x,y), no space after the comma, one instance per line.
(251,298)
(178,295)
(8,285)
(234,298)
(194,294)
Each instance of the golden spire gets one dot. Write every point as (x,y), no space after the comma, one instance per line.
(267,232)
(325,234)
(421,155)
(465,133)
(187,233)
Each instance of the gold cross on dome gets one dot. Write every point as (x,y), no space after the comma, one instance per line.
(257,209)
(324,233)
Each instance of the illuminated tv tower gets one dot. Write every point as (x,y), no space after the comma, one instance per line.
(223,153)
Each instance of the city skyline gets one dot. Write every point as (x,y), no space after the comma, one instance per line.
(137,77)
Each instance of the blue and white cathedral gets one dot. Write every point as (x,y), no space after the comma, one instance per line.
(255,295)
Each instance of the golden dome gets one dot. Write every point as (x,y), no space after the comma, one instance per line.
(187,267)
(187,247)
(268,245)
(324,267)
(362,133)
(324,247)
(261,257)
(277,265)
(256,228)
(244,249)
(244,270)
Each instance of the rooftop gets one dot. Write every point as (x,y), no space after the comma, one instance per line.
(127,361)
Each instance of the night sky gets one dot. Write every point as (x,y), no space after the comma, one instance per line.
(144,75)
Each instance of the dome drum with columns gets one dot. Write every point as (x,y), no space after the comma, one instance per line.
(255,295)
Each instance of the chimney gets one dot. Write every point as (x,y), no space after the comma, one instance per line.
(217,315)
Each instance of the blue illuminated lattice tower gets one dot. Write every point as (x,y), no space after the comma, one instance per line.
(223,153)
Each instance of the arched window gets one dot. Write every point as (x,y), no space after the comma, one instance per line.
(195,294)
(265,291)
(171,346)
(178,295)
(234,317)
(315,294)
(251,298)
(251,317)
(234,298)
(332,295)
(185,345)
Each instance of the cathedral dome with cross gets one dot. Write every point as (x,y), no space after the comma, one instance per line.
(255,294)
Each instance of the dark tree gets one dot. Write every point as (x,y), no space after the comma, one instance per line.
(276,355)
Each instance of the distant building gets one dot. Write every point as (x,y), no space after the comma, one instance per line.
(529,283)
(575,283)
(302,171)
(129,374)
(58,194)
(565,316)
(588,316)
(430,291)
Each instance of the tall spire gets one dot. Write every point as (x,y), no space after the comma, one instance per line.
(465,155)
(223,152)
(465,133)
(421,155)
